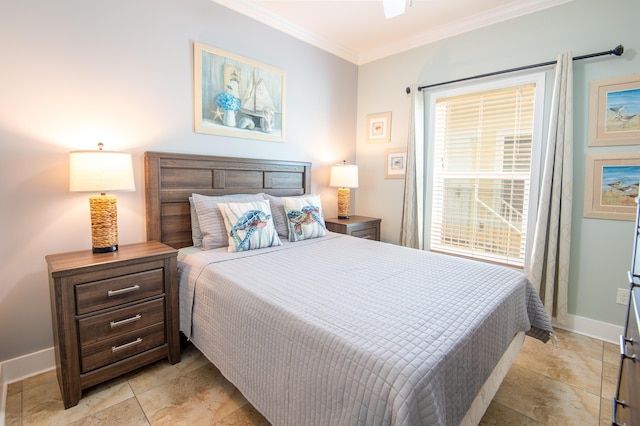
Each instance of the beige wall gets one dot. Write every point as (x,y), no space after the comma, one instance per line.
(78,72)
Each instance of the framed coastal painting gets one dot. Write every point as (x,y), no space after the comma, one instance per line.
(614,111)
(611,185)
(395,163)
(379,128)
(236,96)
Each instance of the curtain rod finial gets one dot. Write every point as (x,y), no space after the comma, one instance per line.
(619,50)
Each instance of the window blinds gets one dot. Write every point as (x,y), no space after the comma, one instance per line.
(482,169)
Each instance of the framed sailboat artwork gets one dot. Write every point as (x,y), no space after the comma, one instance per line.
(236,96)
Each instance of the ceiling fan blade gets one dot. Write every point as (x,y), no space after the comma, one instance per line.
(393,8)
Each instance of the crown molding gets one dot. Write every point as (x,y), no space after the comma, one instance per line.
(265,16)
(460,26)
(513,10)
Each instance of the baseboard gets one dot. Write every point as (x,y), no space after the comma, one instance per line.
(15,369)
(592,328)
(3,399)
(28,365)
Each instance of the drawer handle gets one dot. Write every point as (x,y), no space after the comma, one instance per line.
(614,411)
(115,324)
(123,290)
(623,348)
(126,345)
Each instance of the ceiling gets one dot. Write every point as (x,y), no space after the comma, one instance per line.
(357,30)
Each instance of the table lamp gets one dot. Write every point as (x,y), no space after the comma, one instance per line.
(101,171)
(344,176)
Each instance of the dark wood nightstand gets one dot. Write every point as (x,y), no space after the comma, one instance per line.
(358,226)
(112,313)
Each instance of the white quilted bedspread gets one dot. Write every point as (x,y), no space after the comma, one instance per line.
(344,331)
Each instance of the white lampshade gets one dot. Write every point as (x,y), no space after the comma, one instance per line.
(344,176)
(100,171)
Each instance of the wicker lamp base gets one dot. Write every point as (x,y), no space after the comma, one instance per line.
(344,203)
(104,223)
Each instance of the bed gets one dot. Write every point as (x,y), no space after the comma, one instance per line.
(337,330)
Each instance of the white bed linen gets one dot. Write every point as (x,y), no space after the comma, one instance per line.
(340,330)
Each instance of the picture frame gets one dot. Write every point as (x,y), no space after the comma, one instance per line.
(379,128)
(395,163)
(614,111)
(237,96)
(611,185)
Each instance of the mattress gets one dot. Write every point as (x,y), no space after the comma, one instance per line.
(343,331)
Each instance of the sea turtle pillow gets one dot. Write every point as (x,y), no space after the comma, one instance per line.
(211,232)
(249,225)
(304,217)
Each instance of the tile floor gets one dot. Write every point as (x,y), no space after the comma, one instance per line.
(571,384)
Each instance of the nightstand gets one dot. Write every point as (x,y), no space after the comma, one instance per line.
(112,313)
(358,226)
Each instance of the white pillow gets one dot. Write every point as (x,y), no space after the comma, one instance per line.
(249,225)
(304,217)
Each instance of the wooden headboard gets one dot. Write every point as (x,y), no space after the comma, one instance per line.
(170,179)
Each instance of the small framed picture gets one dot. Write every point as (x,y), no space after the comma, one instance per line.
(611,185)
(379,128)
(614,111)
(395,163)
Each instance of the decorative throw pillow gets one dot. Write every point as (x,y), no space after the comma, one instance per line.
(304,217)
(249,225)
(214,234)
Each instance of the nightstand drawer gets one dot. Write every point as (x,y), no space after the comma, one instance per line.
(356,226)
(103,294)
(121,347)
(111,324)
(367,233)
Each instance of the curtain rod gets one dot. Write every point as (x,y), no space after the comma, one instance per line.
(618,51)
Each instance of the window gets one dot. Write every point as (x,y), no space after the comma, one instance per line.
(482,158)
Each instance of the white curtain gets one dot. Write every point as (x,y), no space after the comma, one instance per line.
(412,207)
(549,264)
